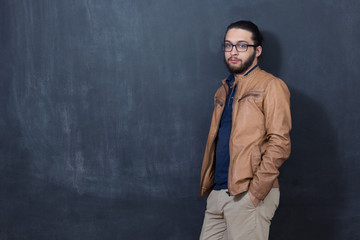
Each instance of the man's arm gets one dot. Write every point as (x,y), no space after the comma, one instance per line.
(278,126)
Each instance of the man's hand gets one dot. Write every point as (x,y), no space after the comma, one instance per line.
(254,200)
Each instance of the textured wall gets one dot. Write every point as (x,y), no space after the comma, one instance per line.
(105,108)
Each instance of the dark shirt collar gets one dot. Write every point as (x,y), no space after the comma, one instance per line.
(251,70)
(230,80)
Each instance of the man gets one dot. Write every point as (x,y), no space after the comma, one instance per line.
(247,143)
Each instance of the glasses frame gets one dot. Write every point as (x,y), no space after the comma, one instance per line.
(234,45)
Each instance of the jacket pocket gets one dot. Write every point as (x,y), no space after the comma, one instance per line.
(255,158)
(253,97)
(253,94)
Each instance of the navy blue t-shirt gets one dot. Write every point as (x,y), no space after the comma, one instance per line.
(222,154)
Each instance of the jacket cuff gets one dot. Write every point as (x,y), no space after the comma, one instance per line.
(259,194)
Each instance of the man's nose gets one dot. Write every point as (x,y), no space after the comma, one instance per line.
(234,51)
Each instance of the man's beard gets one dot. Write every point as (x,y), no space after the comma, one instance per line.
(243,67)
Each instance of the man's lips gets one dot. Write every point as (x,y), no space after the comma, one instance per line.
(234,60)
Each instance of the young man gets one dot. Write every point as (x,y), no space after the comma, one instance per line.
(247,143)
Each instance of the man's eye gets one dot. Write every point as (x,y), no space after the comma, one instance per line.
(228,45)
(241,46)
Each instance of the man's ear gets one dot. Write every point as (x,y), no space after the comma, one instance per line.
(258,51)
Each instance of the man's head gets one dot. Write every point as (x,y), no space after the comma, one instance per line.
(242,46)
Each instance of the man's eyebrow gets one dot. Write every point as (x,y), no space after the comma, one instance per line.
(241,41)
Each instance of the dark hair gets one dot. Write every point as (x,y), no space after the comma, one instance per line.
(249,26)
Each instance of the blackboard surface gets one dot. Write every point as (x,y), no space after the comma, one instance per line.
(105,108)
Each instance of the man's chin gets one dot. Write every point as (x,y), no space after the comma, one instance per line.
(233,68)
(236,70)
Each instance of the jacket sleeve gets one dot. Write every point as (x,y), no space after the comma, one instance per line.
(278,146)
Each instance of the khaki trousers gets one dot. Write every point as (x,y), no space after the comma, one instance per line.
(236,218)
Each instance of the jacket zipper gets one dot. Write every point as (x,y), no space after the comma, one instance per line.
(213,138)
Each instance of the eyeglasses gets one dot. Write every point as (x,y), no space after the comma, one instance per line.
(240,47)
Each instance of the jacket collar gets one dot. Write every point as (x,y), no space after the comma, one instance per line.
(249,75)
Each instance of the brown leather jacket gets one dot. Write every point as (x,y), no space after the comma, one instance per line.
(259,140)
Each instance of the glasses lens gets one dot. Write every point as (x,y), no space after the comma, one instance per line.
(241,47)
(228,47)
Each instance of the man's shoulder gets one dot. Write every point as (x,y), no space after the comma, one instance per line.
(265,79)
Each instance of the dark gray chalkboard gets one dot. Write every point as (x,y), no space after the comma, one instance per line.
(105,108)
